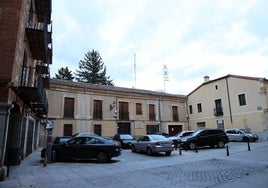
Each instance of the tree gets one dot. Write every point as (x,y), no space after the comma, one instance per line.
(92,70)
(64,74)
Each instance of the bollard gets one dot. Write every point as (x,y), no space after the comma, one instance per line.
(196,151)
(179,150)
(248,146)
(227,150)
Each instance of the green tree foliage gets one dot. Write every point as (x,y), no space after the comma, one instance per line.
(64,74)
(92,70)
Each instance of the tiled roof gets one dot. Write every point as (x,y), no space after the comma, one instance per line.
(70,83)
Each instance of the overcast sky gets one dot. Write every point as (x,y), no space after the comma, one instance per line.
(193,38)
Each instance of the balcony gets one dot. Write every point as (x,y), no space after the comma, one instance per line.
(40,39)
(35,97)
(218,111)
(44,71)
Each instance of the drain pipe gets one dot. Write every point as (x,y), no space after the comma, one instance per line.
(229,102)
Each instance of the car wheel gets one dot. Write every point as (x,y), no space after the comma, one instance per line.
(102,157)
(192,145)
(221,144)
(168,153)
(133,149)
(149,151)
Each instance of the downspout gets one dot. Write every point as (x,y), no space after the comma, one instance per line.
(159,112)
(229,102)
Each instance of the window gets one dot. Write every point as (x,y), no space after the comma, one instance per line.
(242,99)
(97,109)
(190,109)
(199,107)
(67,130)
(138,109)
(151,112)
(201,125)
(97,129)
(123,111)
(68,107)
(218,108)
(152,129)
(175,114)
(216,87)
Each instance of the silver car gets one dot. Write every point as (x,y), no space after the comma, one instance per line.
(239,135)
(152,144)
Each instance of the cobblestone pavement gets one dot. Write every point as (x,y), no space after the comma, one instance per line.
(206,173)
(207,168)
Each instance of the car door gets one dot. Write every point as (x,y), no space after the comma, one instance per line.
(237,135)
(230,134)
(141,142)
(203,138)
(71,150)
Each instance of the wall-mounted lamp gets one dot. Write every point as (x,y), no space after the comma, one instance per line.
(112,105)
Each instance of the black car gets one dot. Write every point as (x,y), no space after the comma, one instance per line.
(125,140)
(58,140)
(205,137)
(85,148)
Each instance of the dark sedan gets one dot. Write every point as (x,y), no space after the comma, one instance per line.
(85,148)
(125,140)
(58,140)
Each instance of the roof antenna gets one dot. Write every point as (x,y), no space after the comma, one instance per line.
(134,70)
(165,76)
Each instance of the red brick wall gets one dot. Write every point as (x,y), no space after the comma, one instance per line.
(9,19)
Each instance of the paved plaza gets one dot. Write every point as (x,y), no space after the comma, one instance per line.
(202,168)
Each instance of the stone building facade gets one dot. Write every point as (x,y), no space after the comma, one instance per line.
(107,110)
(231,101)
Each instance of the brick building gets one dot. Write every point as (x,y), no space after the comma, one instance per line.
(25,56)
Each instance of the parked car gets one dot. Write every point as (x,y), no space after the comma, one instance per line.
(58,140)
(163,134)
(85,148)
(84,134)
(152,144)
(125,140)
(176,139)
(240,135)
(205,137)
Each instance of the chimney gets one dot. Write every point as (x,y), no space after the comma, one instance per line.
(206,79)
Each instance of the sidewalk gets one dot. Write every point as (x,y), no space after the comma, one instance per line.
(32,173)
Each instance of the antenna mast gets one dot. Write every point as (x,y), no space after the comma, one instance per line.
(135,70)
(165,76)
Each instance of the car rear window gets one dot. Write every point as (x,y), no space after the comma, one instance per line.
(158,137)
(126,136)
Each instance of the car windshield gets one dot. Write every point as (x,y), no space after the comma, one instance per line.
(61,140)
(183,133)
(196,132)
(126,137)
(158,137)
